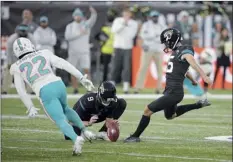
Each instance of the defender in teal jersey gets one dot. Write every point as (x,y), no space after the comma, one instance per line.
(34,68)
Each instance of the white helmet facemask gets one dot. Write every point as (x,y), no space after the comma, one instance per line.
(21,46)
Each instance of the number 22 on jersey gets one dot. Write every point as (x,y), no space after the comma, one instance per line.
(28,66)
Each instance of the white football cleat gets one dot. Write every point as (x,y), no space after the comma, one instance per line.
(77,149)
(102,136)
(88,135)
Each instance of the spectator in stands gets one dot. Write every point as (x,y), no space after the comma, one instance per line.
(170,20)
(22,30)
(223,58)
(125,30)
(105,38)
(217,33)
(45,37)
(184,27)
(152,49)
(195,35)
(27,17)
(77,34)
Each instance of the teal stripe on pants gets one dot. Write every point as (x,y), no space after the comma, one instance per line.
(54,99)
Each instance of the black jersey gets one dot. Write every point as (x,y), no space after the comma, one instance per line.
(88,106)
(176,69)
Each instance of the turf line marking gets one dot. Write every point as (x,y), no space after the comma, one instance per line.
(30,130)
(144,138)
(136,96)
(194,114)
(181,125)
(128,122)
(190,114)
(116,153)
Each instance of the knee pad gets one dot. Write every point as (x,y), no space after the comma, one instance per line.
(122,103)
(119,110)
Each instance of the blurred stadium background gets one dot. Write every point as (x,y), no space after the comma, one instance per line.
(203,21)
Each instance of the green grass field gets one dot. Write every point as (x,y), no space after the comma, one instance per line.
(180,140)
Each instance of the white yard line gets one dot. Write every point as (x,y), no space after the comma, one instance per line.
(144,138)
(30,130)
(130,122)
(136,96)
(195,115)
(181,125)
(118,153)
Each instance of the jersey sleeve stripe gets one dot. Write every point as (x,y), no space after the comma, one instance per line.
(81,104)
(187,52)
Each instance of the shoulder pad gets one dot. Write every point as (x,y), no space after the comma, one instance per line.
(187,50)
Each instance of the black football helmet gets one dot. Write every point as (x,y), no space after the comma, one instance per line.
(170,38)
(106,93)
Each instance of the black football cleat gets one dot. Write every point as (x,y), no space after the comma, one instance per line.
(135,92)
(157,92)
(67,138)
(132,139)
(126,92)
(203,103)
(4,93)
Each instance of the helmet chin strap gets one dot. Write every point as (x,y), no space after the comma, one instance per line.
(24,54)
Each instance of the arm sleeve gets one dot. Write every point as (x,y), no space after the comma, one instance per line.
(117,26)
(91,21)
(188,51)
(63,64)
(20,87)
(70,35)
(185,51)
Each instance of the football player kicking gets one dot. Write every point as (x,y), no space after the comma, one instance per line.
(34,67)
(98,107)
(177,67)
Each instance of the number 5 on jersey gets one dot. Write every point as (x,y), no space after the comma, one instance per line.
(170,65)
(29,65)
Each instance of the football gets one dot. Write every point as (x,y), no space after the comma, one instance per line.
(113,132)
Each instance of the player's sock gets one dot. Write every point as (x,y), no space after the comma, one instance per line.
(145,120)
(185,108)
(67,129)
(103,129)
(74,118)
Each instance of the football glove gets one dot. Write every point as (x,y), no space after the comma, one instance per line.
(87,83)
(93,120)
(32,112)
